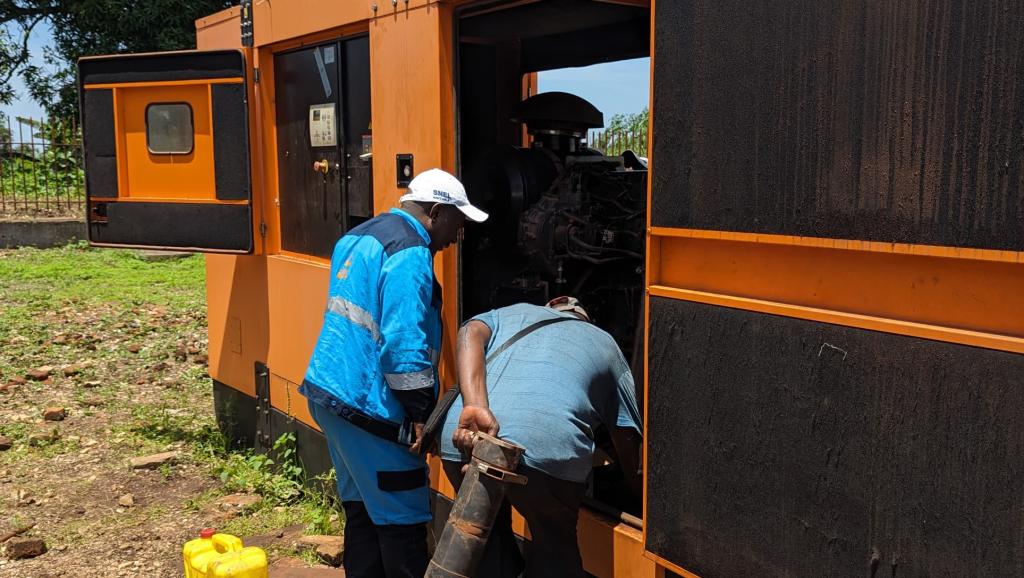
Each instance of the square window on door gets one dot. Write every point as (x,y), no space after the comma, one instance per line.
(169,128)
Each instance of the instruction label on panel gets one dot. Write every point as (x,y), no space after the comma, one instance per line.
(321,125)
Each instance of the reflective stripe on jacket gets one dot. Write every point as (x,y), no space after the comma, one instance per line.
(382,324)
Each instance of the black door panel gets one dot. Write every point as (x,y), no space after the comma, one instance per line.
(324,185)
(310,200)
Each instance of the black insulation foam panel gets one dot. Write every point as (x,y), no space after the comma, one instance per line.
(230,142)
(99,143)
(161,66)
(875,120)
(183,225)
(786,447)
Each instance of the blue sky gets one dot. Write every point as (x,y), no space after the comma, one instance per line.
(23,105)
(614,88)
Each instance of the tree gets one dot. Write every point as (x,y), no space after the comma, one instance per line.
(91,27)
(635,122)
(624,132)
(6,144)
(11,55)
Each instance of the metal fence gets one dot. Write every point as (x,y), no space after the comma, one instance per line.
(41,164)
(614,142)
(41,168)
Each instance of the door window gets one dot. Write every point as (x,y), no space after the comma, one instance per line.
(169,128)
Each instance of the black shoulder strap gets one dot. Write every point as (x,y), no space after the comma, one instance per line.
(524,332)
(434,423)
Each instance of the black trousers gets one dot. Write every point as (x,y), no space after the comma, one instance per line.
(382,551)
(551,508)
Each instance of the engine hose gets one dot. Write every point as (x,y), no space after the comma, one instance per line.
(590,247)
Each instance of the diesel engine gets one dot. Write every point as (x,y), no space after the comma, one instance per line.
(566,220)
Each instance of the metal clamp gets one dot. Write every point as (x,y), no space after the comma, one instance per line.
(500,474)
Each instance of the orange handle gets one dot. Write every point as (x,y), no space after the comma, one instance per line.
(322,166)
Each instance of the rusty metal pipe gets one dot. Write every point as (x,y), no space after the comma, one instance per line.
(465,534)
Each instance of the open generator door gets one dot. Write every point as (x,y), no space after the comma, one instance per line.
(166,140)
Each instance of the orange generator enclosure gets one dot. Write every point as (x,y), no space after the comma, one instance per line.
(820,283)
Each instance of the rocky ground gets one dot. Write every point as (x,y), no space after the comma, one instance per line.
(102,367)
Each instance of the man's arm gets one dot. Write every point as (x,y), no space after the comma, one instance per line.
(628,446)
(472,370)
(405,293)
(628,424)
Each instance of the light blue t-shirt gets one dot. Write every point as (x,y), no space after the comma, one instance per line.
(552,389)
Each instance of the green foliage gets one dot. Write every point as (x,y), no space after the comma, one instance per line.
(624,132)
(636,122)
(264,520)
(322,505)
(288,458)
(6,136)
(254,473)
(11,58)
(15,431)
(317,510)
(44,172)
(165,471)
(54,176)
(89,27)
(279,482)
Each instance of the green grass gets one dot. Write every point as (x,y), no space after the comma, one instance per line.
(15,431)
(77,304)
(59,300)
(77,274)
(319,517)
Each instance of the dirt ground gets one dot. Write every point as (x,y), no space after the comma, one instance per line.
(119,343)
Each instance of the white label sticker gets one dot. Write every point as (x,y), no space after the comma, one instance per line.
(321,125)
(328,55)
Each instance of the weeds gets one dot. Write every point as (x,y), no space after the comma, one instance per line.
(291,467)
(282,483)
(127,325)
(323,505)
(252,472)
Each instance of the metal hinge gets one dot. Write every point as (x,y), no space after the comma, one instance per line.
(263,229)
(256,75)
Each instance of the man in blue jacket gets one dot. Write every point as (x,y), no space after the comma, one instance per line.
(372,380)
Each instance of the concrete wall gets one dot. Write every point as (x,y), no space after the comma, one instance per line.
(41,233)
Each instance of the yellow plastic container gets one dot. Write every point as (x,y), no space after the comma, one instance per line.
(213,555)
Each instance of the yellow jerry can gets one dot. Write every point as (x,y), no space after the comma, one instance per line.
(213,555)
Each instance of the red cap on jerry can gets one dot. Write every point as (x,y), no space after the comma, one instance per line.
(207,533)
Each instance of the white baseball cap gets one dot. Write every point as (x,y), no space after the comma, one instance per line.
(437,186)
(566,303)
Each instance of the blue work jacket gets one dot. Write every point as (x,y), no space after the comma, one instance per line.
(382,326)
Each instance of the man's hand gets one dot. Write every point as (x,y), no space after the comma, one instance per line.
(473,419)
(415,447)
